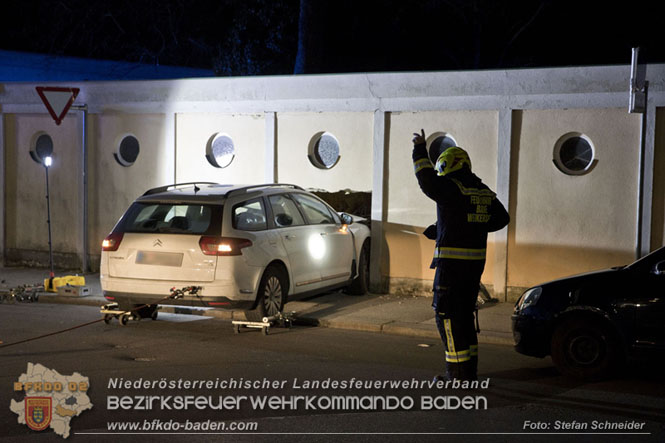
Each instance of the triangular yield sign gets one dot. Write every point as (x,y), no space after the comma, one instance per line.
(57,100)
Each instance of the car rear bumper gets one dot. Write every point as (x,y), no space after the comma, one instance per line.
(129,300)
(217,294)
(531,336)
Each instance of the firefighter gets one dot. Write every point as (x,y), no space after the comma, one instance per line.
(466,211)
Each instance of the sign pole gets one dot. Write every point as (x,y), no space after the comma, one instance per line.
(58,101)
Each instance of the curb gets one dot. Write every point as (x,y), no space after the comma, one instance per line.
(390,327)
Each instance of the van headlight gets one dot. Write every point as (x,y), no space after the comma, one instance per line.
(529,298)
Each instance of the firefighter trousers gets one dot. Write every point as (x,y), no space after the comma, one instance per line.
(456,284)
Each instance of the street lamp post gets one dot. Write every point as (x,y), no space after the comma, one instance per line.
(47,164)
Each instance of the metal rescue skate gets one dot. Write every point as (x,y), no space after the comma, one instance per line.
(112,310)
(282,320)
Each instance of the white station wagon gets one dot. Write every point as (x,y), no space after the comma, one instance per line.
(246,247)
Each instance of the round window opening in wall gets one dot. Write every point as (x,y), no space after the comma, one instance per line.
(41,147)
(128,151)
(574,154)
(324,150)
(439,142)
(220,150)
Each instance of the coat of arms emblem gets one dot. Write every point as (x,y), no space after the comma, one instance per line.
(38,412)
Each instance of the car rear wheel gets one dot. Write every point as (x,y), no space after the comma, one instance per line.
(360,284)
(272,295)
(146,311)
(585,348)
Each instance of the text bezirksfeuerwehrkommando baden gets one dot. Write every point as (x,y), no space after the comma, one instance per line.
(321,401)
(293,402)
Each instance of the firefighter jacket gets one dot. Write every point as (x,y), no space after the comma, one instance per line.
(466,210)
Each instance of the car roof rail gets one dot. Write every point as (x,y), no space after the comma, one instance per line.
(265,185)
(159,189)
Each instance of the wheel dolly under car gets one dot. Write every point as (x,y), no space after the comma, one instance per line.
(112,310)
(281,320)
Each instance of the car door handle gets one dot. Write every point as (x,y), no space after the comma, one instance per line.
(324,233)
(289,237)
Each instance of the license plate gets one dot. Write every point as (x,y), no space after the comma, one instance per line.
(159,258)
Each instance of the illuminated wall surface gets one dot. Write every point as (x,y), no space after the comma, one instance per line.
(410,210)
(567,223)
(25,189)
(196,130)
(113,187)
(354,132)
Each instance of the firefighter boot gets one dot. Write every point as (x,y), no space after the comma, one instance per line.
(453,371)
(468,369)
(474,367)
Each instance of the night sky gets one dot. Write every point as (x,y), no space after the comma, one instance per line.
(268,37)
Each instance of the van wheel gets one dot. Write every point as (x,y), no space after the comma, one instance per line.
(360,284)
(272,295)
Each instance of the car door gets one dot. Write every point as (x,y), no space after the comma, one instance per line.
(647,295)
(296,237)
(650,310)
(336,241)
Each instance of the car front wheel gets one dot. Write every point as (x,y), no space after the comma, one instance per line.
(271,297)
(584,348)
(360,284)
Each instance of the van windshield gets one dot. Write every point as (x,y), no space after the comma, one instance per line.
(173,218)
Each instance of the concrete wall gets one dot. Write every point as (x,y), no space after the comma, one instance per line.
(409,211)
(194,130)
(353,131)
(565,224)
(509,122)
(112,187)
(26,228)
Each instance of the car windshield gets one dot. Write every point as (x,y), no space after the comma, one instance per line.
(173,218)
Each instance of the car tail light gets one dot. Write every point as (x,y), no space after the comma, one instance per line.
(112,241)
(223,246)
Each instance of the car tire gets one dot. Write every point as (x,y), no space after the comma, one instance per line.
(360,284)
(271,296)
(585,348)
(145,311)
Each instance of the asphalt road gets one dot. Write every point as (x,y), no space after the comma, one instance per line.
(526,399)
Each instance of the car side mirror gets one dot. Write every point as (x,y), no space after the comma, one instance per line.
(346,218)
(658,268)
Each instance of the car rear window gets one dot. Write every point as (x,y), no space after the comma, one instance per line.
(173,218)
